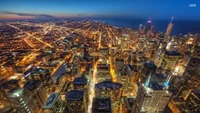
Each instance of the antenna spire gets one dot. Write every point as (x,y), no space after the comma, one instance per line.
(172,19)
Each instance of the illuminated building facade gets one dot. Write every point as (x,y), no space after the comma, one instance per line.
(101,105)
(119,63)
(169,29)
(110,89)
(152,98)
(103,72)
(170,59)
(80,83)
(23,101)
(124,79)
(148,70)
(38,90)
(150,50)
(54,104)
(75,101)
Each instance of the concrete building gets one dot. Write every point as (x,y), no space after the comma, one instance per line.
(170,59)
(54,104)
(110,89)
(38,90)
(103,72)
(76,101)
(23,101)
(81,83)
(101,105)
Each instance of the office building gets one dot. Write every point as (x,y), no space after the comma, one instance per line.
(81,83)
(168,31)
(76,101)
(101,105)
(110,89)
(54,104)
(170,59)
(103,72)
(37,88)
(148,70)
(151,98)
(23,100)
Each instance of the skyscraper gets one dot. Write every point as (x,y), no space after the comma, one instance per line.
(101,105)
(110,89)
(80,83)
(54,104)
(169,29)
(152,97)
(37,88)
(75,101)
(23,101)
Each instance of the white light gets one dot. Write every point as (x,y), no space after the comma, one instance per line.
(192,5)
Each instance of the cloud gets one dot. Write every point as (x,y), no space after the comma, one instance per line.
(38,16)
(81,14)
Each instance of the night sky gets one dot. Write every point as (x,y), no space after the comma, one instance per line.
(155,9)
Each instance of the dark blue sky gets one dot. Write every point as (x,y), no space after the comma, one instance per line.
(155,9)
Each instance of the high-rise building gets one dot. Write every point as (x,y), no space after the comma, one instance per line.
(193,101)
(169,29)
(128,105)
(23,101)
(54,104)
(38,90)
(150,50)
(148,26)
(140,28)
(148,70)
(152,97)
(124,79)
(103,72)
(81,83)
(75,101)
(101,105)
(170,59)
(124,43)
(119,63)
(110,89)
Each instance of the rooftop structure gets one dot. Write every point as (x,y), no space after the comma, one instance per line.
(74,95)
(101,105)
(108,85)
(50,101)
(80,81)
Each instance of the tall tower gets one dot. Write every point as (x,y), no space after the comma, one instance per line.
(75,101)
(23,101)
(169,29)
(148,26)
(110,89)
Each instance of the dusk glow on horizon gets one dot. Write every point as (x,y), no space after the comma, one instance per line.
(156,9)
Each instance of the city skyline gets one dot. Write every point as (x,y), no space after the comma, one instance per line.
(51,9)
(99,56)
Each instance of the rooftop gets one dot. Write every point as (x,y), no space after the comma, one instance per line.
(150,65)
(101,105)
(196,92)
(74,95)
(50,101)
(58,73)
(103,66)
(15,92)
(108,85)
(80,81)
(32,84)
(155,86)
(129,103)
(159,76)
(172,53)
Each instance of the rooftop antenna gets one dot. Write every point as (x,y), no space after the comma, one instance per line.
(172,19)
